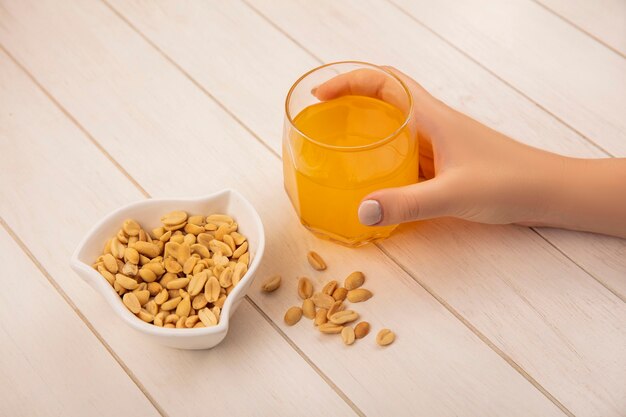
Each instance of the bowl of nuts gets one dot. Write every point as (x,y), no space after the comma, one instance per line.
(175,269)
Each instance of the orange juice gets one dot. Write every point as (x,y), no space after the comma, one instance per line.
(340,151)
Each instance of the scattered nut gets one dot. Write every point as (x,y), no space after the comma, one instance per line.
(322,300)
(347,334)
(293,315)
(316,261)
(343,317)
(330,317)
(272,284)
(308,308)
(354,280)
(330,328)
(340,294)
(329,288)
(320,316)
(359,295)
(361,330)
(385,337)
(305,288)
(337,306)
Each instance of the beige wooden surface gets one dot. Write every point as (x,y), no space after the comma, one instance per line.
(104,103)
(602,19)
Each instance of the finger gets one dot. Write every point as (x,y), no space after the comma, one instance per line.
(426,200)
(364,82)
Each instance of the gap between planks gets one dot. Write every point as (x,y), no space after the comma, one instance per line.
(126,174)
(18,241)
(574,25)
(615,293)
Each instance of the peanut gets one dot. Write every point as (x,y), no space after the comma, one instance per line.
(343,317)
(354,280)
(361,330)
(272,284)
(308,308)
(359,295)
(320,316)
(174,218)
(316,261)
(293,315)
(131,302)
(340,294)
(322,300)
(330,328)
(305,288)
(188,265)
(347,334)
(329,288)
(385,337)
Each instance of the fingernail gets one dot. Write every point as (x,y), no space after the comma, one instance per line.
(313,90)
(370,212)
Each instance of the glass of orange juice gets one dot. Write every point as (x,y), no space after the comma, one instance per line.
(335,152)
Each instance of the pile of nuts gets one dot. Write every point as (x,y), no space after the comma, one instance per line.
(179,275)
(326,308)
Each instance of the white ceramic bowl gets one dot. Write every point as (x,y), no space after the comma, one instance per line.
(148,213)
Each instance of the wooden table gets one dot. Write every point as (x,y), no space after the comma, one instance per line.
(107,102)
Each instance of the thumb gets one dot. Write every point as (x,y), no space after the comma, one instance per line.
(426,200)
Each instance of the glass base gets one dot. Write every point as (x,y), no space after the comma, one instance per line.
(349,242)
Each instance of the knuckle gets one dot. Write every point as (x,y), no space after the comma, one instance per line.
(408,207)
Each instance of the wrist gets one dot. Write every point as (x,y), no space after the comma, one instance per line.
(545,200)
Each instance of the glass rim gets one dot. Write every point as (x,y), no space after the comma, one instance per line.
(376,144)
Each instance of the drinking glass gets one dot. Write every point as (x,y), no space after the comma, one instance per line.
(336,152)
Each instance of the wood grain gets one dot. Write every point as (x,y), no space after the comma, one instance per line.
(604,257)
(556,65)
(555,321)
(605,20)
(74,185)
(437,365)
(46,350)
(180,31)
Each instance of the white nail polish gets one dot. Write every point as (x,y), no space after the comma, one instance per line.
(370,212)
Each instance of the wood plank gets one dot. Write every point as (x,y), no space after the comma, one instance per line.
(90,65)
(559,67)
(303,22)
(604,257)
(180,30)
(604,20)
(49,159)
(38,379)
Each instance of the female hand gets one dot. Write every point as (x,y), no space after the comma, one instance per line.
(478,174)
